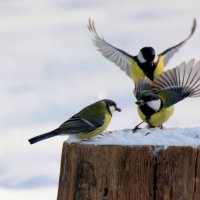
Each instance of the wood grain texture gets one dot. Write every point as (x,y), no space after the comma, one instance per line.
(197,177)
(175,174)
(91,172)
(112,172)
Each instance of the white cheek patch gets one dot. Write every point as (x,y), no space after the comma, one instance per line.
(141,58)
(112,109)
(155,59)
(155,104)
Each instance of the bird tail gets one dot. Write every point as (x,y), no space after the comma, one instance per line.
(43,137)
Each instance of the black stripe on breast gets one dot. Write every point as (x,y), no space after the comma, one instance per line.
(147,111)
(147,68)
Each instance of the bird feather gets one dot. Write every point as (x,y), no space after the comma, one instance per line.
(115,55)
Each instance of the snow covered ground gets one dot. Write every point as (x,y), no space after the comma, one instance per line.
(50,70)
(153,136)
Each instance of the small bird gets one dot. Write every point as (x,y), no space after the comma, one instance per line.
(146,63)
(89,122)
(155,99)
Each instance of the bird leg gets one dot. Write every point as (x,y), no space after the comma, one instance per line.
(150,126)
(137,127)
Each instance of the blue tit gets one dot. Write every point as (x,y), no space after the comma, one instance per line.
(89,122)
(155,99)
(146,63)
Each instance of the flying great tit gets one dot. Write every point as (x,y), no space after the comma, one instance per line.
(89,122)
(146,63)
(155,99)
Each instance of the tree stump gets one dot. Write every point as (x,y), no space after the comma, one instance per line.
(114,172)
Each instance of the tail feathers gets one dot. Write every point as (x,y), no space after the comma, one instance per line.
(42,137)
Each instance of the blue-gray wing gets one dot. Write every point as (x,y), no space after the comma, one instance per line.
(178,83)
(122,59)
(76,124)
(168,54)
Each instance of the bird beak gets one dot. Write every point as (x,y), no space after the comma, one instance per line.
(118,109)
(140,103)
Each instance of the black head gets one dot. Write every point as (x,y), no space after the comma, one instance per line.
(149,101)
(111,105)
(148,54)
(146,97)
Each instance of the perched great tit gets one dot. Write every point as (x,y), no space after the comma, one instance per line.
(155,99)
(89,122)
(146,63)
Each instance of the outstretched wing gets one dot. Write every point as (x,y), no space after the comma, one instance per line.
(143,84)
(77,124)
(178,83)
(115,55)
(168,54)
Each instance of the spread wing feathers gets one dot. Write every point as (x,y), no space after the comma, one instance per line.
(178,83)
(143,84)
(168,54)
(115,55)
(76,124)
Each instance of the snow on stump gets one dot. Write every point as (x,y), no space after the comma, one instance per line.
(121,167)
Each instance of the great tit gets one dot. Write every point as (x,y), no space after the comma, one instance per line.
(89,122)
(155,99)
(146,63)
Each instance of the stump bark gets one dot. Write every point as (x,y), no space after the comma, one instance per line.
(114,172)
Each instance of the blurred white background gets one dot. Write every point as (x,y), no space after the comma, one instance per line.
(50,70)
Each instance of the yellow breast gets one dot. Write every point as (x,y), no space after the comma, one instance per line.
(160,67)
(96,131)
(158,118)
(136,72)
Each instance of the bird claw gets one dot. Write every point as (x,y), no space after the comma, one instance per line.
(137,127)
(134,130)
